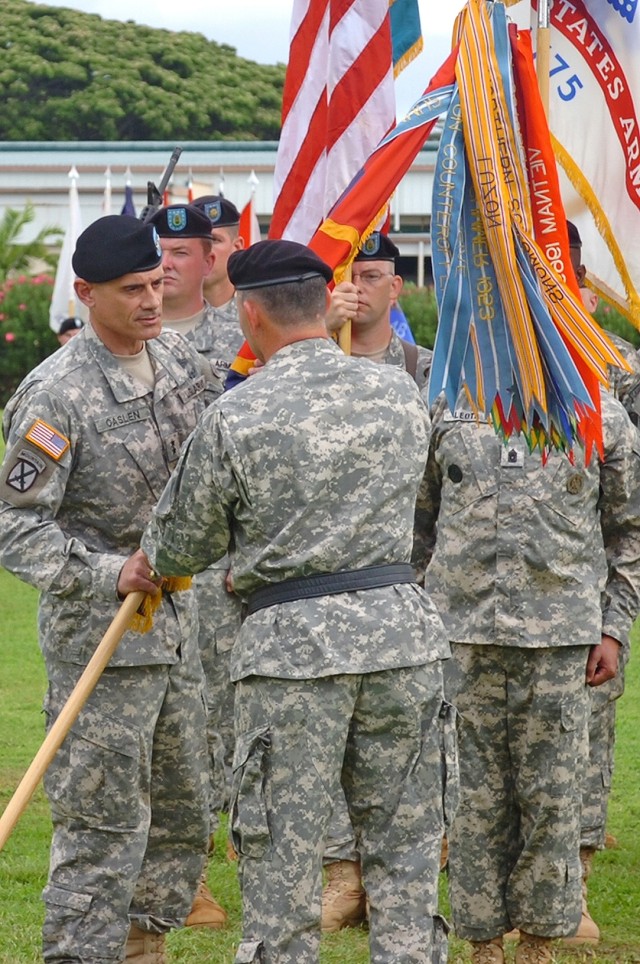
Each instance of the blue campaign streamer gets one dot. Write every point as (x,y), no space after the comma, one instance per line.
(451,287)
(425,109)
(566,376)
(502,376)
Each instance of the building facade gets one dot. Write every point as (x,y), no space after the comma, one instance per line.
(39,172)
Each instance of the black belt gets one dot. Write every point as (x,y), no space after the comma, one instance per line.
(330,583)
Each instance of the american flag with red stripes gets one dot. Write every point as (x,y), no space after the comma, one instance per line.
(338,101)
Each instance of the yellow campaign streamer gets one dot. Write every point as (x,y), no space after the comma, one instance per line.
(491,150)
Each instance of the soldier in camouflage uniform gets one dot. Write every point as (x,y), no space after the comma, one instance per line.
(366,302)
(598,770)
(92,436)
(524,554)
(219,293)
(218,289)
(187,258)
(309,473)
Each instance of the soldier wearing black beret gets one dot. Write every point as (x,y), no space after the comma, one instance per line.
(307,474)
(270,263)
(92,436)
(224,219)
(181,221)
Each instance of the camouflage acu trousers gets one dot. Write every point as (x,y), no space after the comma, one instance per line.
(514,844)
(219,621)
(390,739)
(598,770)
(128,791)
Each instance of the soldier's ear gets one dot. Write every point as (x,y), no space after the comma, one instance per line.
(84,291)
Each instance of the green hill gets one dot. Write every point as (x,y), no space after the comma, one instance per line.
(66,75)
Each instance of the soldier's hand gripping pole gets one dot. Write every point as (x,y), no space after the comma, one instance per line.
(69,713)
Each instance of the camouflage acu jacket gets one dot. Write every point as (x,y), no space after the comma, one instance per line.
(310,466)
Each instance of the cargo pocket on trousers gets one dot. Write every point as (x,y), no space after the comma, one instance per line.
(248,811)
(450,769)
(66,913)
(249,952)
(95,775)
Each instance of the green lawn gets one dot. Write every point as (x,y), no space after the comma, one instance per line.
(614,887)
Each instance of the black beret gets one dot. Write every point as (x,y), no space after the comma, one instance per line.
(70,324)
(116,245)
(267,263)
(181,221)
(377,247)
(575,241)
(221,212)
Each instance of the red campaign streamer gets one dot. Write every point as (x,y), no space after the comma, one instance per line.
(550,226)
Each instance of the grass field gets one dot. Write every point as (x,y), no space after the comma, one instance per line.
(614,890)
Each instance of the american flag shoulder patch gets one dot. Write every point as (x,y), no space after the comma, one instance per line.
(48,439)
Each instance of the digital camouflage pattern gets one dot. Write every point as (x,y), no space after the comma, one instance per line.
(396,737)
(531,564)
(525,548)
(313,466)
(217,337)
(598,772)
(130,777)
(395,356)
(89,451)
(340,842)
(514,842)
(597,775)
(289,456)
(228,336)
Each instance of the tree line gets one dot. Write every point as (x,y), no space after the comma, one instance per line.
(67,75)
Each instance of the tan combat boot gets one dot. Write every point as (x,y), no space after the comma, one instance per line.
(143,947)
(534,950)
(487,952)
(610,842)
(344,902)
(205,910)
(588,931)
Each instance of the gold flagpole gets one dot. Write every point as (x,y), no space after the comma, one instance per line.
(68,715)
(543,52)
(344,333)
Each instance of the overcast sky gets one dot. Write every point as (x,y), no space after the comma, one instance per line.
(259,29)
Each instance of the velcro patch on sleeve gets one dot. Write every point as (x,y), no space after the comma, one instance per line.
(23,476)
(48,439)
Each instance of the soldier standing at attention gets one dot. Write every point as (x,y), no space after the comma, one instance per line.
(366,301)
(187,258)
(219,292)
(597,771)
(534,569)
(92,436)
(308,474)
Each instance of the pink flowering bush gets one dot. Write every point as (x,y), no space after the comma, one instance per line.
(25,336)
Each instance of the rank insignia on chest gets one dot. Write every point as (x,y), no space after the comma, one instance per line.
(575,484)
(512,457)
(45,437)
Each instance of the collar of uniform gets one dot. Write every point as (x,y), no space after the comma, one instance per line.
(306,348)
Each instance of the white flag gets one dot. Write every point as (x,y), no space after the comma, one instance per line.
(64,303)
(594,109)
